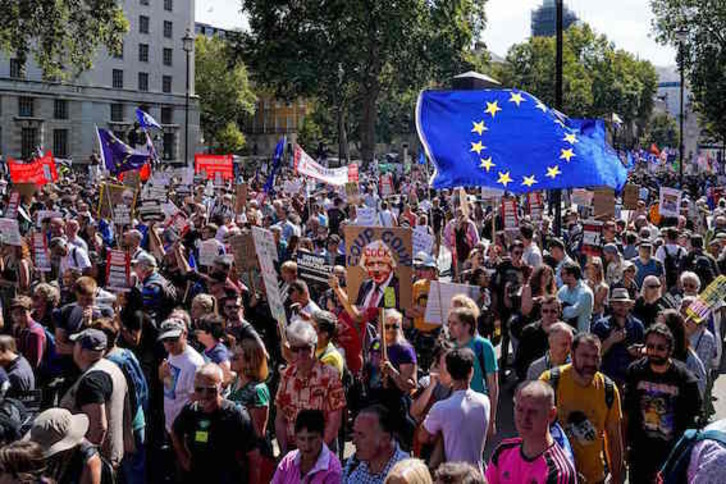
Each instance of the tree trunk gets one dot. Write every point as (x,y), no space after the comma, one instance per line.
(368,123)
(343,156)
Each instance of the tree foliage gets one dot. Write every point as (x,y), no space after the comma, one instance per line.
(347,54)
(598,78)
(662,130)
(224,94)
(704,53)
(62,36)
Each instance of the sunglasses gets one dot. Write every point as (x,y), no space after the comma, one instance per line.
(653,286)
(391,326)
(208,390)
(170,340)
(656,347)
(300,349)
(232,308)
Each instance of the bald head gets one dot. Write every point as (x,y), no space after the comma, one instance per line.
(536,390)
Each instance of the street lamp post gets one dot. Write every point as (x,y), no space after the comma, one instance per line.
(557,195)
(188,45)
(681,36)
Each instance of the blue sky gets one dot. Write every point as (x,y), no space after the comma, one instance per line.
(625,22)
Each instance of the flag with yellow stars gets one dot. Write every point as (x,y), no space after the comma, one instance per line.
(510,140)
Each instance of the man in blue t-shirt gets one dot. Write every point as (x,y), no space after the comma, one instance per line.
(646,265)
(462,325)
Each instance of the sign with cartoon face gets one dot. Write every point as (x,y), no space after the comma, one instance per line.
(379,262)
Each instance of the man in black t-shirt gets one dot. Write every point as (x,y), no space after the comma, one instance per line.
(213,438)
(661,400)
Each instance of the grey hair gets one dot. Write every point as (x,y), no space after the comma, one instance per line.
(561,327)
(303,333)
(211,371)
(693,277)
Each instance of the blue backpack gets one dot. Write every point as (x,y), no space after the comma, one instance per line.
(138,387)
(675,468)
(50,365)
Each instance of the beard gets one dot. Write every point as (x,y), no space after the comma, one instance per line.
(657,360)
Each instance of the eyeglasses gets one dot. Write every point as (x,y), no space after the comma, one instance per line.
(390,327)
(691,285)
(652,286)
(232,308)
(300,349)
(209,390)
(656,347)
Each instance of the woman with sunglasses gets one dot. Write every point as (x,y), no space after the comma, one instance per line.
(650,302)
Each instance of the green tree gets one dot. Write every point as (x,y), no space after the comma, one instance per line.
(224,94)
(662,130)
(347,54)
(598,79)
(62,36)
(703,55)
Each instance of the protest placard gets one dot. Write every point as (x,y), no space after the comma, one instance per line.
(386,182)
(510,214)
(305,165)
(267,253)
(243,250)
(630,196)
(351,192)
(292,186)
(670,202)
(535,204)
(122,215)
(603,203)
(213,164)
(438,304)
(26,189)
(591,237)
(581,197)
(46,215)
(241,198)
(710,299)
(313,268)
(643,193)
(367,217)
(41,257)
(423,241)
(111,196)
(379,262)
(11,211)
(353,172)
(38,172)
(150,211)
(208,251)
(10,232)
(118,271)
(132,179)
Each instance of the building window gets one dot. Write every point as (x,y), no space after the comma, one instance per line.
(17,69)
(143,81)
(28,142)
(166,84)
(143,52)
(118,79)
(120,53)
(60,142)
(167,29)
(168,5)
(117,113)
(60,109)
(169,142)
(143,24)
(167,115)
(167,56)
(26,107)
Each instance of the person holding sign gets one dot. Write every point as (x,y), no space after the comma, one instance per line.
(381,289)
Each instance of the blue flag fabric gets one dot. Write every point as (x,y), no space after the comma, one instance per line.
(146,120)
(510,140)
(421,158)
(117,156)
(276,162)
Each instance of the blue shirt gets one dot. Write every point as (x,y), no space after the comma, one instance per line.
(652,268)
(357,472)
(577,304)
(616,361)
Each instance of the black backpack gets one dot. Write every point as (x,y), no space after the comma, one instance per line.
(672,267)
(701,265)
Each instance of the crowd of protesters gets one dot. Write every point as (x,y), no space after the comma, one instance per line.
(187,377)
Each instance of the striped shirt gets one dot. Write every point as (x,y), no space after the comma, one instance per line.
(509,465)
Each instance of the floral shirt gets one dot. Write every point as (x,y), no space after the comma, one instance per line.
(320,390)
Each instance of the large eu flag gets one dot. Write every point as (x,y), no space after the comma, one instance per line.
(510,140)
(117,156)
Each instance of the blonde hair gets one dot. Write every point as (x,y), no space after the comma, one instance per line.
(463,301)
(206,301)
(409,471)
(254,359)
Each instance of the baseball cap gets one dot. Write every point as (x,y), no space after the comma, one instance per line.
(91,339)
(144,258)
(610,247)
(171,328)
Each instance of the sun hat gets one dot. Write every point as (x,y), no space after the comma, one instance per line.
(56,430)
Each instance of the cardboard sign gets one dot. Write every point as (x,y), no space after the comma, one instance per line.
(423,241)
(118,271)
(378,257)
(710,299)
(208,251)
(367,217)
(10,232)
(603,203)
(592,238)
(243,248)
(267,254)
(41,257)
(150,211)
(491,193)
(26,189)
(45,215)
(510,215)
(351,191)
(111,196)
(241,201)
(669,204)
(132,178)
(122,215)
(581,197)
(11,211)
(535,205)
(630,196)
(213,164)
(438,304)
(313,268)
(386,182)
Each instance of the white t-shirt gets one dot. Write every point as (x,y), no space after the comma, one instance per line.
(179,387)
(77,258)
(463,419)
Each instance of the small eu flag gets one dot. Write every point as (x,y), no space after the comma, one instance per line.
(117,156)
(146,120)
(510,140)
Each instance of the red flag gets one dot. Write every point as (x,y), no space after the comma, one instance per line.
(145,172)
(654,150)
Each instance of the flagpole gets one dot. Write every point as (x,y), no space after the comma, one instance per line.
(557,199)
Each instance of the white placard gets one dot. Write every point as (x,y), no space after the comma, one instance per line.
(439,301)
(305,165)
(9,232)
(292,187)
(122,215)
(41,215)
(670,202)
(118,271)
(40,253)
(582,197)
(208,251)
(267,254)
(423,241)
(367,217)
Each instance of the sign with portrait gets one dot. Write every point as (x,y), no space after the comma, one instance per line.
(111,196)
(379,262)
(670,202)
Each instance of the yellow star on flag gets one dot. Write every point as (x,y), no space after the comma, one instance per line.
(487,164)
(541,106)
(529,181)
(517,98)
(479,128)
(553,172)
(477,147)
(493,108)
(567,154)
(571,138)
(504,178)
